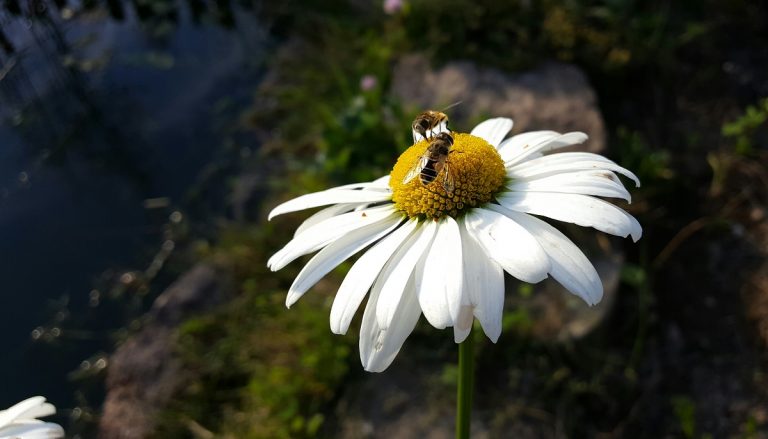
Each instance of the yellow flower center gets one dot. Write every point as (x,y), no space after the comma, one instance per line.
(476,173)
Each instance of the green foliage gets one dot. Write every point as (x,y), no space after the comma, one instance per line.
(364,139)
(259,371)
(750,429)
(634,275)
(685,412)
(518,321)
(538,378)
(525,289)
(334,114)
(744,129)
(604,35)
(651,165)
(449,375)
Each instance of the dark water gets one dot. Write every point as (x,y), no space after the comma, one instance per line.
(104,127)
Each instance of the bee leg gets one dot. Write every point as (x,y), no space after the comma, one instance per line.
(447,187)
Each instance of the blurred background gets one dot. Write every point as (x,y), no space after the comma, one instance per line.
(142,143)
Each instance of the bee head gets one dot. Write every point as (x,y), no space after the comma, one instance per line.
(421,125)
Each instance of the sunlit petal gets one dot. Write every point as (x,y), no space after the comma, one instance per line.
(337,252)
(516,145)
(362,275)
(378,345)
(509,244)
(570,266)
(583,210)
(483,285)
(545,144)
(493,130)
(330,196)
(439,285)
(566,162)
(398,271)
(596,183)
(19,421)
(325,232)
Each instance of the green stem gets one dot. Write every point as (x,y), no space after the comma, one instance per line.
(464,391)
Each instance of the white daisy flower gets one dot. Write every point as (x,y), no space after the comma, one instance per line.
(444,253)
(20,421)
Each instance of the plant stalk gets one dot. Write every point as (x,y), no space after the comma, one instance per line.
(465,387)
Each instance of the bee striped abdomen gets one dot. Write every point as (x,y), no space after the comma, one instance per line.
(433,162)
(429,173)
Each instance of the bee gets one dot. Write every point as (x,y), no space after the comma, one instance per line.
(428,124)
(433,162)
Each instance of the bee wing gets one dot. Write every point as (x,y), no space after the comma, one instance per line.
(441,127)
(432,131)
(416,168)
(447,179)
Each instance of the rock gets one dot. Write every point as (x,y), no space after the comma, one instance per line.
(554,96)
(143,372)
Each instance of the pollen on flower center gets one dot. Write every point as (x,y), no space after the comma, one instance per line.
(476,171)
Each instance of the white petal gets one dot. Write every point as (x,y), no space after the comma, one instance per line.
(325,232)
(597,183)
(337,252)
(570,266)
(583,210)
(566,162)
(41,430)
(493,130)
(516,145)
(39,411)
(331,196)
(324,214)
(483,285)
(361,276)
(548,144)
(379,346)
(380,183)
(439,285)
(509,244)
(463,324)
(398,270)
(18,410)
